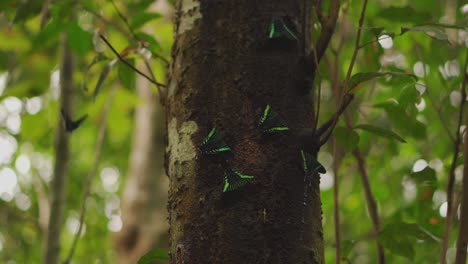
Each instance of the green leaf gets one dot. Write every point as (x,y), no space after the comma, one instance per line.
(346,247)
(98,58)
(409,96)
(403,14)
(405,123)
(4,4)
(375,31)
(397,243)
(346,138)
(4,61)
(27,10)
(152,255)
(432,31)
(79,40)
(379,131)
(412,231)
(50,33)
(427,177)
(127,75)
(143,18)
(442,25)
(103,76)
(153,45)
(139,6)
(366,76)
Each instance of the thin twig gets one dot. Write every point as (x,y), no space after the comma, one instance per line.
(451,182)
(371,203)
(129,64)
(92,172)
(125,20)
(374,41)
(329,125)
(336,203)
(45,13)
(161,94)
(108,22)
(328,27)
(431,99)
(356,45)
(345,89)
(462,241)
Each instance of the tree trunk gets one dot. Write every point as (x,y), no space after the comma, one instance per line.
(225,70)
(62,153)
(145,196)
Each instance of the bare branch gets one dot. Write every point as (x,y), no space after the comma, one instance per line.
(45,13)
(129,64)
(328,27)
(331,123)
(462,241)
(371,203)
(450,188)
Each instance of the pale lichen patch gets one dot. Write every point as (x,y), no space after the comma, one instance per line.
(181,167)
(181,148)
(190,12)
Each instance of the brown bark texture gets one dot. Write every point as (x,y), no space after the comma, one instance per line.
(225,69)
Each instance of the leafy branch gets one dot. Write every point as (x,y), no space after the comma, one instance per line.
(158,84)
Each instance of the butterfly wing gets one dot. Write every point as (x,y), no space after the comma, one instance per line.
(310,164)
(270,122)
(234,180)
(280,29)
(214,144)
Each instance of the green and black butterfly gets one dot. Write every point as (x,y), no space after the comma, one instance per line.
(234,180)
(310,164)
(71,125)
(214,144)
(282,27)
(270,122)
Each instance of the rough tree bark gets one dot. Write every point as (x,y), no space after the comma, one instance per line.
(224,72)
(62,153)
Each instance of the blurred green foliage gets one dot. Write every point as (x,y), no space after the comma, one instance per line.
(29,64)
(407,89)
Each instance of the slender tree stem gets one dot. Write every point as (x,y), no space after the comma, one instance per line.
(62,156)
(371,203)
(336,205)
(462,241)
(92,172)
(451,181)
(345,89)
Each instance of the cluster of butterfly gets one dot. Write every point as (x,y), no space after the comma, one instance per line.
(269,123)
